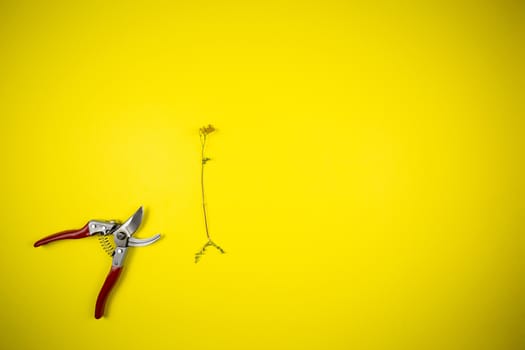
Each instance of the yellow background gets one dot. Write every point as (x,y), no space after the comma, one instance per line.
(366,182)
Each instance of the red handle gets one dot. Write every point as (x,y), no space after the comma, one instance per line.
(69,234)
(110,281)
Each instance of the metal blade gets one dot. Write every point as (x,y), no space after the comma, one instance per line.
(132,224)
(139,242)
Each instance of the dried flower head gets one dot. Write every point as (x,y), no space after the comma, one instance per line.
(206,130)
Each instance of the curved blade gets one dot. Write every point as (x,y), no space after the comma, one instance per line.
(132,224)
(139,242)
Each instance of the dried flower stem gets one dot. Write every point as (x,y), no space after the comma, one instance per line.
(204,161)
(203,133)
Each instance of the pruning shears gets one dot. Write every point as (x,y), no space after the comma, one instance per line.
(122,235)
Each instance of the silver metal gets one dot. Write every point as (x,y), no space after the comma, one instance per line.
(132,224)
(122,236)
(124,231)
(118,256)
(142,242)
(102,227)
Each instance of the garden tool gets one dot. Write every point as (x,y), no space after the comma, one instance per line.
(122,236)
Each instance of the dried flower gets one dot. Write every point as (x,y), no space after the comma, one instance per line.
(204,132)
